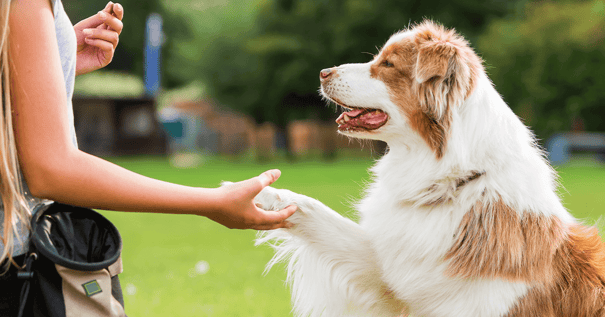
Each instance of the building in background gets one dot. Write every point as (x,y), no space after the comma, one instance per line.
(208,127)
(118,126)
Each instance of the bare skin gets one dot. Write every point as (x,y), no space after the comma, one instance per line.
(55,169)
(98,37)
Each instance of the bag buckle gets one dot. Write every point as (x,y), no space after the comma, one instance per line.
(27,272)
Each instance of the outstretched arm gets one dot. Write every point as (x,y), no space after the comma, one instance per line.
(55,169)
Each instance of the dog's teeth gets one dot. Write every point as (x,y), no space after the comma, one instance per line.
(346,118)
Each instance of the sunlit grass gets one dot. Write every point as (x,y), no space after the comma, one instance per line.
(105,83)
(190,266)
(583,189)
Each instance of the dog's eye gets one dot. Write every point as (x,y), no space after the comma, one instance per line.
(387,64)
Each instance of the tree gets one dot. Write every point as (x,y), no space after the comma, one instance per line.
(129,53)
(549,62)
(269,69)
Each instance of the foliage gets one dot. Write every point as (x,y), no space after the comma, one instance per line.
(129,56)
(549,63)
(211,52)
(192,91)
(267,63)
(262,57)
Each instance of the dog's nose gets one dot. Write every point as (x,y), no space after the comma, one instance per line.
(325,73)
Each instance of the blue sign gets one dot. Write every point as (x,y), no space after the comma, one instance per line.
(153,43)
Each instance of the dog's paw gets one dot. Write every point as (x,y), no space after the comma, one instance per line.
(225,183)
(270,199)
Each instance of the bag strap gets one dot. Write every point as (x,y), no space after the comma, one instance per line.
(26,274)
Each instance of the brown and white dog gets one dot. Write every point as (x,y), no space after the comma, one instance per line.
(462,218)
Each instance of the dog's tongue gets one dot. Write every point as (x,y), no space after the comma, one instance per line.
(354,113)
(351,114)
(362,118)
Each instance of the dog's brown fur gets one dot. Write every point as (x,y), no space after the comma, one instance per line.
(441,68)
(565,266)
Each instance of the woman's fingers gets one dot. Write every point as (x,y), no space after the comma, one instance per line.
(254,185)
(106,47)
(284,224)
(269,177)
(96,21)
(250,216)
(108,7)
(110,22)
(118,11)
(275,219)
(102,34)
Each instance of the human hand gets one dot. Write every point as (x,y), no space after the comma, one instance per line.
(97,38)
(238,210)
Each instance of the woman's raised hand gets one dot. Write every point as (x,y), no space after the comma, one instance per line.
(98,37)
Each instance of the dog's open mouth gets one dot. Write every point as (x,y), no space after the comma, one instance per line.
(359,119)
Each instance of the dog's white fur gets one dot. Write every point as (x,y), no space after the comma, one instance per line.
(392,262)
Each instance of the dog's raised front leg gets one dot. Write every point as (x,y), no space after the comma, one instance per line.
(332,268)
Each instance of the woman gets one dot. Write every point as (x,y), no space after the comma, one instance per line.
(41,52)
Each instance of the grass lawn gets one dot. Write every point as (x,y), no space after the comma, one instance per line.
(190,266)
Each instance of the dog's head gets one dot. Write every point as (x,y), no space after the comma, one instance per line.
(414,83)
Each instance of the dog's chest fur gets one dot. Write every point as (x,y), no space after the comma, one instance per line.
(411,244)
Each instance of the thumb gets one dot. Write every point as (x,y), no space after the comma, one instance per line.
(269,177)
(254,185)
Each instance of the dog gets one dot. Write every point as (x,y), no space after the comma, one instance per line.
(462,217)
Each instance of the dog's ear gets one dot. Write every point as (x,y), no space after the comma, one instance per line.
(433,60)
(443,74)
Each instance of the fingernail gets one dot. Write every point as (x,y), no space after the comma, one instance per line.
(87,32)
(276,173)
(103,15)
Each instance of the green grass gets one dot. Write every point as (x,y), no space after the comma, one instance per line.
(161,252)
(583,189)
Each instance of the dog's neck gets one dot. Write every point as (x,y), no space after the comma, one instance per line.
(486,138)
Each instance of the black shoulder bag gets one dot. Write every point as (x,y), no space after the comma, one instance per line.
(72,265)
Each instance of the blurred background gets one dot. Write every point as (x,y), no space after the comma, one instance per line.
(201,91)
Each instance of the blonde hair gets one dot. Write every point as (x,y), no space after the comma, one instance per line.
(11,189)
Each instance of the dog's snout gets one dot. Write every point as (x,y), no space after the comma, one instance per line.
(325,73)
